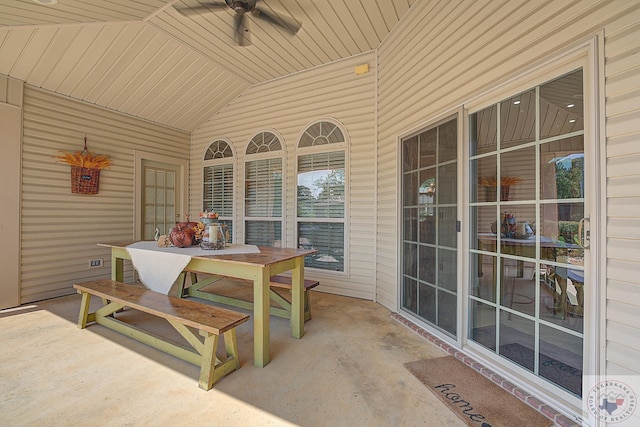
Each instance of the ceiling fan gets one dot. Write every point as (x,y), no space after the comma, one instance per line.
(241,8)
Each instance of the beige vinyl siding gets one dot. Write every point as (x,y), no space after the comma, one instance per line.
(10,144)
(10,91)
(463,54)
(60,230)
(622,74)
(288,106)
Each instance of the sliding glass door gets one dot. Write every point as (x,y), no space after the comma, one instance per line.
(528,230)
(429,226)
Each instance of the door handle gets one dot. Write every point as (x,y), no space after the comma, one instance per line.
(584,233)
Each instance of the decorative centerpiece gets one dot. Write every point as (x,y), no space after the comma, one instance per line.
(214,238)
(183,234)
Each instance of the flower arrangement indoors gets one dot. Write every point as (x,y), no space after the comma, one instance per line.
(505,184)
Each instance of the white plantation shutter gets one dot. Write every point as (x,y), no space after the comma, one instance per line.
(218,189)
(217,185)
(263,183)
(263,233)
(328,239)
(263,191)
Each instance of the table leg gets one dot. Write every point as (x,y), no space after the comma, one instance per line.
(117,268)
(261,331)
(560,306)
(117,272)
(297,303)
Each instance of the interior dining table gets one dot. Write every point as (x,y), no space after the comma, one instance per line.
(257,267)
(553,252)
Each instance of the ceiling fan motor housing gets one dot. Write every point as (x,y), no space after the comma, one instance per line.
(241,7)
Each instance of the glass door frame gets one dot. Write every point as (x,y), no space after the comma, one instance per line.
(458,115)
(182,178)
(585,56)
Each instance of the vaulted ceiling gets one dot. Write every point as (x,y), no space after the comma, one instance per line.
(176,62)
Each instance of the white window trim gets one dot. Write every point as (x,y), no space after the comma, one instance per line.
(301,151)
(282,154)
(587,55)
(233,160)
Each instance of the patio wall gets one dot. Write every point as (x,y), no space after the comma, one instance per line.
(60,230)
(467,49)
(288,106)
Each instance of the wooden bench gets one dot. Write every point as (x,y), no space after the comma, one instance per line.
(279,281)
(183,315)
(284,282)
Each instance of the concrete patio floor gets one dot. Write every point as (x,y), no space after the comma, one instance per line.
(346,371)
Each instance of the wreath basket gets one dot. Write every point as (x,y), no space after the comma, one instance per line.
(85,169)
(84,180)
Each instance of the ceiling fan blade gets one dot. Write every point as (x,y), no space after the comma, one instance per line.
(288,23)
(202,7)
(241,34)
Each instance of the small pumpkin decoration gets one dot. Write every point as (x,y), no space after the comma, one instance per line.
(182,235)
(164,241)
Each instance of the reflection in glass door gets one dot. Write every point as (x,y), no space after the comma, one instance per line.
(527,230)
(429,210)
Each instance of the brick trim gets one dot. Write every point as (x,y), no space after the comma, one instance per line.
(546,410)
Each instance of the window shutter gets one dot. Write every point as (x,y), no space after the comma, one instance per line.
(263,233)
(218,189)
(263,183)
(328,239)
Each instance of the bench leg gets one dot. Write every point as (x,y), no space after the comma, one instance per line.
(83,318)
(286,305)
(212,368)
(231,345)
(208,361)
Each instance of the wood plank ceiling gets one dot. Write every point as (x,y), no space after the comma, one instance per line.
(145,59)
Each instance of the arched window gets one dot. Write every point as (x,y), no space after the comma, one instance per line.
(321,133)
(321,196)
(218,150)
(217,182)
(263,190)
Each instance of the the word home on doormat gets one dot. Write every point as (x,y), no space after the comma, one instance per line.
(475,399)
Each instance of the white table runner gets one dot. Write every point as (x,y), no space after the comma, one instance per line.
(160,267)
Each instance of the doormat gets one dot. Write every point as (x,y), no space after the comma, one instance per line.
(554,370)
(475,399)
